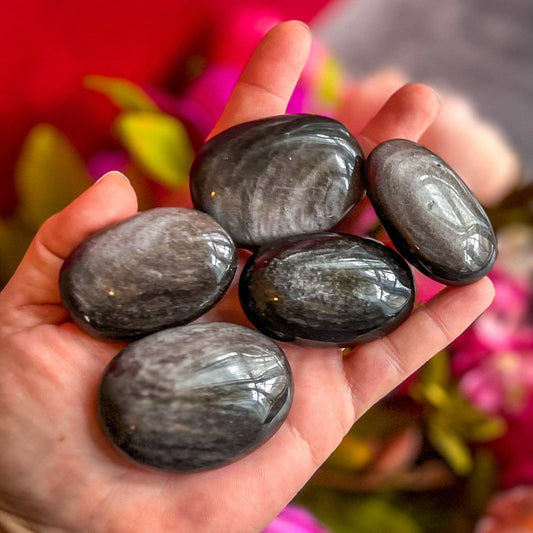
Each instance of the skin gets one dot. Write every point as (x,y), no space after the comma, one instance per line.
(58,472)
(476,149)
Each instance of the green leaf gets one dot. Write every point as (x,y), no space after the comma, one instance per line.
(437,369)
(486,430)
(435,395)
(482,483)
(330,82)
(359,514)
(14,240)
(451,446)
(376,514)
(159,144)
(470,422)
(48,176)
(125,94)
(353,453)
(383,420)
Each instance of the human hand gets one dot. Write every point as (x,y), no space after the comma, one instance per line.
(476,149)
(58,472)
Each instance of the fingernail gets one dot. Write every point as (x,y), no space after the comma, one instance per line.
(304,25)
(118,173)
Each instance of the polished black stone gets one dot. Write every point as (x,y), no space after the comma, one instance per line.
(433,219)
(154,270)
(326,287)
(196,397)
(278,176)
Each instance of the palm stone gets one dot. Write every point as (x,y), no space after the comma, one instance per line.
(195,397)
(279,176)
(327,287)
(157,269)
(430,214)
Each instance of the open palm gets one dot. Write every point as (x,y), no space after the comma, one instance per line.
(57,470)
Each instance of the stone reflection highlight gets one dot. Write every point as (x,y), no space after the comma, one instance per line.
(158,269)
(196,397)
(326,287)
(431,216)
(280,176)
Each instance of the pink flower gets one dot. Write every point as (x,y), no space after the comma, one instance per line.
(513,450)
(204,99)
(295,519)
(506,326)
(509,512)
(502,383)
(494,362)
(518,471)
(206,96)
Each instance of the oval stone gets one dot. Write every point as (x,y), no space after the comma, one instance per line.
(327,287)
(432,217)
(157,269)
(279,176)
(196,397)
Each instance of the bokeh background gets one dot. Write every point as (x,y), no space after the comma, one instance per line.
(90,86)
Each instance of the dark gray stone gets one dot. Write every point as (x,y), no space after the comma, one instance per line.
(431,216)
(196,397)
(327,287)
(279,176)
(154,270)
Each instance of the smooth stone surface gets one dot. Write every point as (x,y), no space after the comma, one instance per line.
(196,397)
(431,216)
(328,287)
(160,268)
(279,176)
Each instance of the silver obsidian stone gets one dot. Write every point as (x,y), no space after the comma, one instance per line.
(431,216)
(279,176)
(196,397)
(154,270)
(326,287)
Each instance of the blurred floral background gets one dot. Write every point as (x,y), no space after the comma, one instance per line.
(92,86)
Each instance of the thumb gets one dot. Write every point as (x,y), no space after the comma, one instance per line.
(32,295)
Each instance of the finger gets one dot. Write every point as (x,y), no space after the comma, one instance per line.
(364,98)
(477,151)
(330,394)
(406,115)
(374,369)
(35,283)
(266,83)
